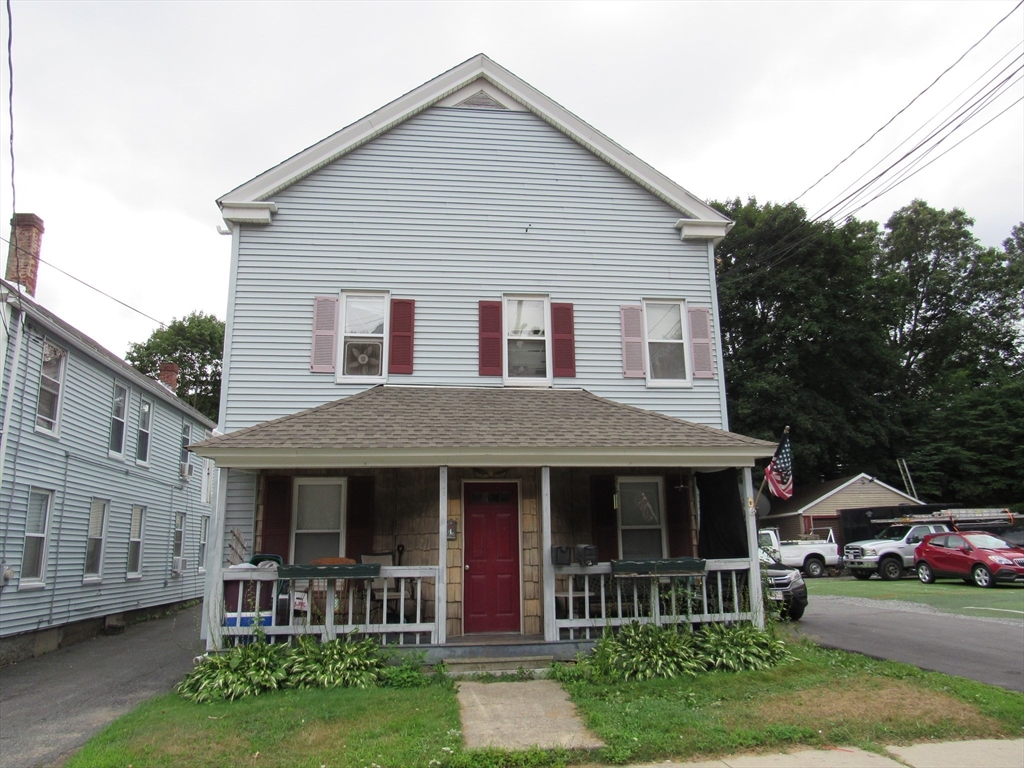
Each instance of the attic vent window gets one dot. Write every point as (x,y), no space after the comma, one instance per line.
(481,100)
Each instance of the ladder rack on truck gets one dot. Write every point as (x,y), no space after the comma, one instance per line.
(956,518)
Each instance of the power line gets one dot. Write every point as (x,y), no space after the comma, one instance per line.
(93,287)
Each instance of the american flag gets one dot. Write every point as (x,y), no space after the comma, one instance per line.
(779,472)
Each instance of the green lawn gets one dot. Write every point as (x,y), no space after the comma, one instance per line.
(821,698)
(1003,601)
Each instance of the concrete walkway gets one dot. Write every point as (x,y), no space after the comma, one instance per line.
(536,713)
(53,704)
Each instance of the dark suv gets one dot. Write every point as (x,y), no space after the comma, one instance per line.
(787,586)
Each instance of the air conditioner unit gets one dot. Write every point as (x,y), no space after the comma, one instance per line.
(186,470)
(179,565)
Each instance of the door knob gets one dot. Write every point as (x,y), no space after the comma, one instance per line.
(467,566)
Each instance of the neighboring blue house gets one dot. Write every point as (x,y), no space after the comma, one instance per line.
(465,334)
(102,511)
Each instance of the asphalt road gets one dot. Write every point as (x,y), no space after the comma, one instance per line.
(51,705)
(984,649)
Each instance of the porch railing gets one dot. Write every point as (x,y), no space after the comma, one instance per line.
(397,606)
(589,599)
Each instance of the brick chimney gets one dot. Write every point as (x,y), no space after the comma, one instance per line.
(23,264)
(169,375)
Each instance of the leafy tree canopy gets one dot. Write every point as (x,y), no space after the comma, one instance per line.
(196,344)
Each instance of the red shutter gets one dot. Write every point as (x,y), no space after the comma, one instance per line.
(490,338)
(563,340)
(359,517)
(403,313)
(277,516)
(633,342)
(603,520)
(325,323)
(700,343)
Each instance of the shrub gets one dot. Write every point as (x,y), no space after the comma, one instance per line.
(338,663)
(739,647)
(408,673)
(246,670)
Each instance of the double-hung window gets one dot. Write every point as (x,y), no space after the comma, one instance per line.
(185,456)
(97,527)
(179,534)
(527,347)
(664,332)
(118,420)
(319,527)
(135,541)
(204,535)
(145,428)
(642,532)
(364,320)
(33,561)
(50,380)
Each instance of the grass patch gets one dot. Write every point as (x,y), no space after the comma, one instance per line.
(1006,601)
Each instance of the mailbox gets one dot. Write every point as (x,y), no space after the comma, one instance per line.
(586,554)
(561,555)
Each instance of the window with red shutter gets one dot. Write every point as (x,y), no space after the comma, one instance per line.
(490,338)
(325,324)
(403,313)
(563,340)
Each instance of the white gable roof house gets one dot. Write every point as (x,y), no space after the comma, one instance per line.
(473,387)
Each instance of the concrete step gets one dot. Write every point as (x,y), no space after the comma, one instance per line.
(498,665)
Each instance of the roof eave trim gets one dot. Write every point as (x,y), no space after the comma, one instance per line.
(248,213)
(283,458)
(430,93)
(696,229)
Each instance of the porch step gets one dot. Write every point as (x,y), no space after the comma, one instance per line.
(498,665)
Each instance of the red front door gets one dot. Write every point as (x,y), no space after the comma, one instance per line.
(491,576)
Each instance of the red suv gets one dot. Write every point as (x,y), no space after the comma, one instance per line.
(973,556)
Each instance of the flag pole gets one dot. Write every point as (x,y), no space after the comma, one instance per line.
(765,478)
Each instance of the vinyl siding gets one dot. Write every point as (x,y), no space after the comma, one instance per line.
(240,510)
(449,208)
(75,467)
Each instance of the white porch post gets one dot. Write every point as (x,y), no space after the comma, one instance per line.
(441,583)
(212,618)
(756,602)
(550,630)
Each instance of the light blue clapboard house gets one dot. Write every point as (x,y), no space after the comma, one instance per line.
(102,511)
(473,387)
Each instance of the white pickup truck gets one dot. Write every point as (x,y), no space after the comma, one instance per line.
(811,556)
(890,554)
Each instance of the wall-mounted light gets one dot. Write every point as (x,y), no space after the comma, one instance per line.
(453,529)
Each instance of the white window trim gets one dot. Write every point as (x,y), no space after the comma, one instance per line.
(206,480)
(686,383)
(55,432)
(343,533)
(140,430)
(124,421)
(521,381)
(38,582)
(175,550)
(661,505)
(340,376)
(184,456)
(131,575)
(96,578)
(204,541)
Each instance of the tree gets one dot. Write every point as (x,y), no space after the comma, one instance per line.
(196,344)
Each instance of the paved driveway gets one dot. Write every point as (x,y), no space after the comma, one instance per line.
(984,649)
(51,705)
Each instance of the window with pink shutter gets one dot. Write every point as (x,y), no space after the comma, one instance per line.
(403,312)
(563,340)
(633,342)
(700,343)
(490,338)
(325,325)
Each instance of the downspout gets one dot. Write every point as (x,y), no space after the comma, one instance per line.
(718,334)
(5,432)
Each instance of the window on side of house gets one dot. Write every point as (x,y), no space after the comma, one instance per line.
(135,541)
(51,379)
(363,342)
(179,534)
(642,532)
(97,527)
(33,561)
(318,529)
(664,334)
(145,428)
(186,440)
(118,420)
(527,332)
(204,534)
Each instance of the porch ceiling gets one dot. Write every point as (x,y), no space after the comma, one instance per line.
(396,426)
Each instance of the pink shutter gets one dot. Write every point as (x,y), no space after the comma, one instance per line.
(563,340)
(325,323)
(490,338)
(633,342)
(403,313)
(700,343)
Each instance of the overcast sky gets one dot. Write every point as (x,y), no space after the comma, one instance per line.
(130,118)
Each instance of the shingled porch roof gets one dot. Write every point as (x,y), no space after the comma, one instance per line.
(396,426)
